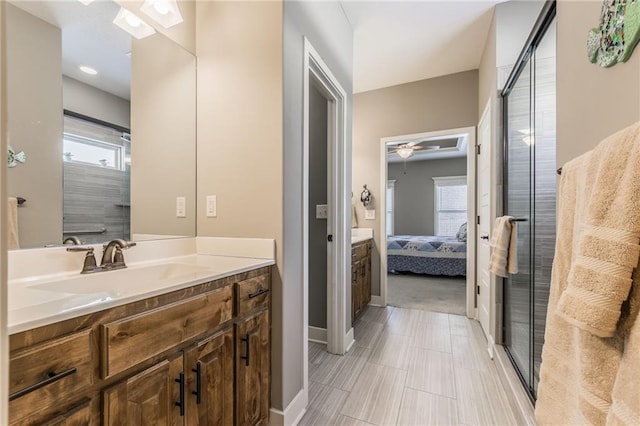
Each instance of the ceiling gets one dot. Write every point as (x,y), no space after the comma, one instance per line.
(89,38)
(398,42)
(447,145)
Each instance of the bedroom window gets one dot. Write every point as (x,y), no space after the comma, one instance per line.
(391,186)
(450,204)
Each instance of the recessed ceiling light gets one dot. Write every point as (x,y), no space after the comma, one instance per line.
(164,12)
(86,2)
(132,24)
(88,70)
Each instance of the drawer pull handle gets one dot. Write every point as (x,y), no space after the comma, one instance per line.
(53,377)
(180,403)
(198,391)
(258,293)
(246,349)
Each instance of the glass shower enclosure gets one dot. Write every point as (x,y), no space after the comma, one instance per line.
(529,103)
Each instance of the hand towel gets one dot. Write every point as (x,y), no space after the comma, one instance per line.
(589,372)
(504,257)
(12,225)
(608,237)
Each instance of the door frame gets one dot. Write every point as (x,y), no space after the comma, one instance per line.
(471,210)
(339,338)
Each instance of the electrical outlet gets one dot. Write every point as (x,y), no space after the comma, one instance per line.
(370,214)
(181,207)
(212,206)
(322,211)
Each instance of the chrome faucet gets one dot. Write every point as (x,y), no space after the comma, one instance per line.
(73,240)
(112,257)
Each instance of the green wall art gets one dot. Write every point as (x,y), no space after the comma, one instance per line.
(617,34)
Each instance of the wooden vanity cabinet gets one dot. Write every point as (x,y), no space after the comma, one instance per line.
(360,278)
(197,356)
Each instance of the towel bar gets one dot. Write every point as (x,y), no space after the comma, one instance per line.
(518,219)
(86,231)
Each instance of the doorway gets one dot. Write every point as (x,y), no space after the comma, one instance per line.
(337,225)
(429,254)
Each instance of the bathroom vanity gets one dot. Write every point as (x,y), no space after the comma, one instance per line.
(361,246)
(192,350)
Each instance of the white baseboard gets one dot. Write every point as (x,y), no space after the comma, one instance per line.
(317,334)
(376,301)
(291,415)
(349,340)
(491,346)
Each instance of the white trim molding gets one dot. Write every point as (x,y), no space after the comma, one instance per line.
(317,334)
(291,415)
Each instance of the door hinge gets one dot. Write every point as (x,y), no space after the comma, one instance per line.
(478,149)
(478,289)
(477,220)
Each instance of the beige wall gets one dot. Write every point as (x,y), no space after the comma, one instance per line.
(88,100)
(163,147)
(34,108)
(184,33)
(4,340)
(440,103)
(240,139)
(593,102)
(487,72)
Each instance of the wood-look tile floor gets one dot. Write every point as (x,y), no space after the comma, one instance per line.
(407,367)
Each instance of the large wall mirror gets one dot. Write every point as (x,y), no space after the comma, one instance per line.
(106,122)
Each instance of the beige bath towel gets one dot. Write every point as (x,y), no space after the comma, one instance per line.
(504,244)
(594,299)
(12,225)
(607,248)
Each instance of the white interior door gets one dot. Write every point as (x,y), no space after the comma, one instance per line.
(483,207)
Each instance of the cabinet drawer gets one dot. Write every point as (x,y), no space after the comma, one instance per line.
(252,293)
(131,340)
(43,374)
(360,251)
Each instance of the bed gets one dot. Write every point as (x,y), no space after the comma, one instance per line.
(426,255)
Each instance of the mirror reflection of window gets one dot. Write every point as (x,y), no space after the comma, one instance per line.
(94,154)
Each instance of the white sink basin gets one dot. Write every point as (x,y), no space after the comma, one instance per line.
(128,281)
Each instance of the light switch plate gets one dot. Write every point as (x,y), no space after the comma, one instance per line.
(322,211)
(181,207)
(370,214)
(212,206)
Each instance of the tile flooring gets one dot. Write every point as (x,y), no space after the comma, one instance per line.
(407,367)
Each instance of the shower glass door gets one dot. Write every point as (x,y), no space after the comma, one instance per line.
(519,167)
(530,197)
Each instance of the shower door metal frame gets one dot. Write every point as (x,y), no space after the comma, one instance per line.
(544,21)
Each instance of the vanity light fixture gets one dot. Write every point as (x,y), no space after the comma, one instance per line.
(132,24)
(164,12)
(88,70)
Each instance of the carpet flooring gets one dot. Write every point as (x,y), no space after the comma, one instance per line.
(429,293)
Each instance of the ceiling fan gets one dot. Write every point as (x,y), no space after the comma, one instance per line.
(406,150)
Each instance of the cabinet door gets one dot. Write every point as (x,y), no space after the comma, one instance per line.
(356,294)
(79,415)
(148,398)
(367,280)
(252,370)
(209,368)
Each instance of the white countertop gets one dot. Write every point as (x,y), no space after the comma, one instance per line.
(46,299)
(359,235)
